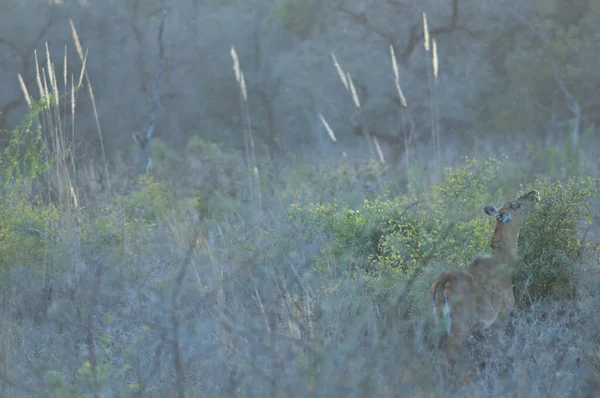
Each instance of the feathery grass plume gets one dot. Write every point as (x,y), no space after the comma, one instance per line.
(379,151)
(254,176)
(48,64)
(340,72)
(66,93)
(425,32)
(394,63)
(83,69)
(73,127)
(329,130)
(52,77)
(397,78)
(56,132)
(73,99)
(76,39)
(243,87)
(435,59)
(24,90)
(65,70)
(239,75)
(46,92)
(353,91)
(404,104)
(93,99)
(236,64)
(72,108)
(55,87)
(432,72)
(38,77)
(79,49)
(346,81)
(52,126)
(74,196)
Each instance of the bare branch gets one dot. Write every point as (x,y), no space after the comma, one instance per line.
(145,161)
(573,106)
(572,102)
(415,35)
(26,60)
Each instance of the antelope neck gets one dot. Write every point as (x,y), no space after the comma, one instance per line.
(504,241)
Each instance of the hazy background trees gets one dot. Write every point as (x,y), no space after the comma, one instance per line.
(284,242)
(505,68)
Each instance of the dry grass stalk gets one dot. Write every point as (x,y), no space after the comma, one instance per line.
(236,64)
(93,98)
(253,173)
(435,59)
(397,78)
(45,85)
(379,151)
(404,105)
(243,87)
(340,72)
(83,68)
(72,102)
(24,90)
(329,130)
(53,124)
(239,75)
(353,91)
(52,77)
(38,78)
(425,33)
(65,69)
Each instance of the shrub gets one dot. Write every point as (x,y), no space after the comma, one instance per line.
(28,232)
(23,158)
(395,239)
(148,203)
(357,235)
(551,244)
(403,232)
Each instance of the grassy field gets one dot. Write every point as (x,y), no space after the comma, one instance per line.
(229,273)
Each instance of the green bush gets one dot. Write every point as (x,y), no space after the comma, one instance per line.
(551,240)
(356,235)
(400,237)
(147,204)
(23,158)
(131,219)
(27,231)
(405,233)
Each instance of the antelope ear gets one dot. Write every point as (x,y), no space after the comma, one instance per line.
(490,211)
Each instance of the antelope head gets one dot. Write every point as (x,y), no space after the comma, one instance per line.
(509,219)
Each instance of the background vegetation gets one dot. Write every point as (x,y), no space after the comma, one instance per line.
(297,209)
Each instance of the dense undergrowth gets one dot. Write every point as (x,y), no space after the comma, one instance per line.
(318,291)
(287,277)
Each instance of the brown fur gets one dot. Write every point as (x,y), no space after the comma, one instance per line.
(482,292)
